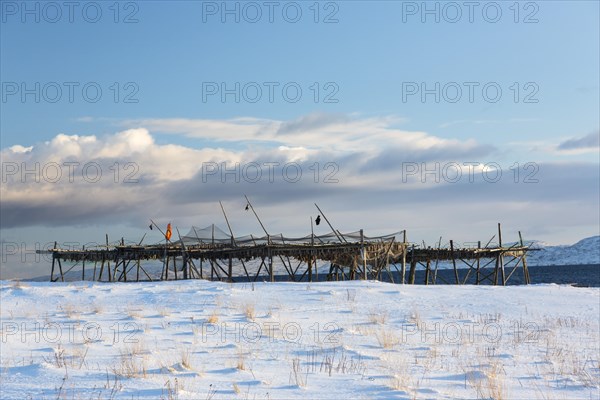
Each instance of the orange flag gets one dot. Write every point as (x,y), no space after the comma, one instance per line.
(168,233)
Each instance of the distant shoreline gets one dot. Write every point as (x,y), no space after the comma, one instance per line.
(580,275)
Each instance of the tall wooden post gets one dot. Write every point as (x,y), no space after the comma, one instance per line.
(454,261)
(108,261)
(312,249)
(175,265)
(404,250)
(271,272)
(62,276)
(413,266)
(212,265)
(500,257)
(83,264)
(335,232)
(496,268)
(478,277)
(230,266)
(137,274)
(525,269)
(363,254)
(53,261)
(101,268)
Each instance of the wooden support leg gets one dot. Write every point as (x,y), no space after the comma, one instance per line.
(404,250)
(271,272)
(101,270)
(454,262)
(52,271)
(496,270)
(83,267)
(175,266)
(413,272)
(62,276)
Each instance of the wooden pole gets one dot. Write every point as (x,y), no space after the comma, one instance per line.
(525,269)
(437,261)
(117,262)
(165,274)
(259,221)
(62,277)
(477,279)
(363,254)
(496,269)
(313,252)
(175,266)
(53,261)
(108,260)
(165,256)
(271,273)
(341,239)
(101,268)
(413,267)
(270,255)
(186,274)
(230,266)
(500,257)
(228,225)
(83,264)
(454,261)
(404,250)
(312,247)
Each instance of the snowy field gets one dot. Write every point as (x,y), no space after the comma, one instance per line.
(334,340)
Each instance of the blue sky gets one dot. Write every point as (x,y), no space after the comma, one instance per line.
(367,61)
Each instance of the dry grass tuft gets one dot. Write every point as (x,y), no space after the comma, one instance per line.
(241,360)
(185,358)
(132,362)
(386,338)
(213,318)
(250,311)
(378,317)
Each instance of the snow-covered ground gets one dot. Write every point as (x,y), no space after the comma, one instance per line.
(586,251)
(330,340)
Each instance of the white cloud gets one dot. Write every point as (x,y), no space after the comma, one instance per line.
(364,156)
(333,133)
(20,149)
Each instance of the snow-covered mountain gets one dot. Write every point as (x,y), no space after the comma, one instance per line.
(586,251)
